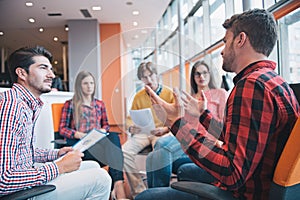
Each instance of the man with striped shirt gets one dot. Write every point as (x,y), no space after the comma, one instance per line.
(31,73)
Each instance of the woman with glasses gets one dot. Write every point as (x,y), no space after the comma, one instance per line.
(168,156)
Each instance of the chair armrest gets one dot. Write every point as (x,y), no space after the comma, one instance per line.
(204,190)
(59,141)
(29,192)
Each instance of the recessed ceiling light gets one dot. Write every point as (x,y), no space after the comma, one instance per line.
(1,33)
(29,4)
(41,29)
(31,20)
(135,23)
(55,62)
(66,28)
(135,12)
(136,36)
(96,8)
(55,38)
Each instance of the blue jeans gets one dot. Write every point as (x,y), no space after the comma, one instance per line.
(192,172)
(165,193)
(186,172)
(164,160)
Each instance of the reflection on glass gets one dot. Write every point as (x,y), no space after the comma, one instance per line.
(217,18)
(292,21)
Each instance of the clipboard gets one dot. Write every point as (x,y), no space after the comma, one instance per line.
(89,140)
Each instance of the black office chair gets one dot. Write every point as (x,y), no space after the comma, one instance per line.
(29,192)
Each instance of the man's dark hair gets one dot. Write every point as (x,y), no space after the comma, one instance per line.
(146,66)
(23,58)
(260,27)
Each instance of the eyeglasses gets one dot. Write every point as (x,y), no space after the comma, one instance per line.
(198,74)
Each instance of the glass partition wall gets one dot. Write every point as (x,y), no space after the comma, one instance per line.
(203,32)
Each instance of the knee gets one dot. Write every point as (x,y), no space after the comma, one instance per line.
(181,171)
(162,142)
(104,178)
(149,159)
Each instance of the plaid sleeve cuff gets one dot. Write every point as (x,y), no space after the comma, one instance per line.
(177,125)
(204,115)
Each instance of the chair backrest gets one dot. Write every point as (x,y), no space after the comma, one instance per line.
(59,141)
(56,115)
(286,179)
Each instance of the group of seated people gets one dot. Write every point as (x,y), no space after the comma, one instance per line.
(228,140)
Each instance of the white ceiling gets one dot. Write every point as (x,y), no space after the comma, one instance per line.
(19,32)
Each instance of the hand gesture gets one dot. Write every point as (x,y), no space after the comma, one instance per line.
(194,106)
(166,112)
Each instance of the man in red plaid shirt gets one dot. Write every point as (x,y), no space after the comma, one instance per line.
(260,114)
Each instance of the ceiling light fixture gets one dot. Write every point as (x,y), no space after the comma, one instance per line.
(41,29)
(31,20)
(135,12)
(66,28)
(29,4)
(135,23)
(96,8)
(55,38)
(1,33)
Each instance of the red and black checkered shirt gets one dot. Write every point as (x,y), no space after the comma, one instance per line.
(93,116)
(260,113)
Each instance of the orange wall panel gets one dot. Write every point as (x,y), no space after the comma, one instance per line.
(110,45)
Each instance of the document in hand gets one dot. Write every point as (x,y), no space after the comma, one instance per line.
(89,140)
(143,118)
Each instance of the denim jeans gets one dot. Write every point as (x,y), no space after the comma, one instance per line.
(165,193)
(192,172)
(166,158)
(186,172)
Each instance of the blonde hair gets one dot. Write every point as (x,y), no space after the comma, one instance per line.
(78,95)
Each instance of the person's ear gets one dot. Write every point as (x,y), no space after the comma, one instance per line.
(242,37)
(21,73)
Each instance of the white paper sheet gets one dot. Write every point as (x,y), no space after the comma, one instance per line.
(143,118)
(89,140)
